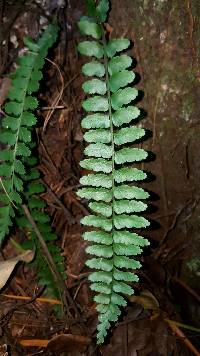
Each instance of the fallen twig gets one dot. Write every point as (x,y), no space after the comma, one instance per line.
(184,326)
(38,300)
(182,336)
(64,293)
(188,288)
(68,215)
(58,97)
(49,259)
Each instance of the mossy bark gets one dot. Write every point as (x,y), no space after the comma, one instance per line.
(166,38)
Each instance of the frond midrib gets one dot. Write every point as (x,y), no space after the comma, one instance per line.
(105,60)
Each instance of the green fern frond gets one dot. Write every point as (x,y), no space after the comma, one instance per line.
(19,177)
(17,124)
(115,205)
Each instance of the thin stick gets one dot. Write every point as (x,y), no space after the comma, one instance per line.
(64,293)
(49,259)
(188,288)
(68,215)
(182,336)
(58,97)
(184,326)
(154,120)
(58,107)
(38,300)
(7,194)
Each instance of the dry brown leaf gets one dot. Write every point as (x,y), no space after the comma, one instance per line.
(146,299)
(7,267)
(59,343)
(68,343)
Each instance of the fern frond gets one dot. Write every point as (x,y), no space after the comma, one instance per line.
(18,122)
(115,205)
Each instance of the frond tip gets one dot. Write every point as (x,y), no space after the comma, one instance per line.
(114,200)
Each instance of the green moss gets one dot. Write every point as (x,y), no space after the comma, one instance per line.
(188,108)
(194,265)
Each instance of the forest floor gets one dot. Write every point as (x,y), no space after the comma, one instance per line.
(161,318)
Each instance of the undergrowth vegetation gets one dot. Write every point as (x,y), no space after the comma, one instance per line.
(19,175)
(115,202)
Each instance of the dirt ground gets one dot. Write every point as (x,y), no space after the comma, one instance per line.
(166,47)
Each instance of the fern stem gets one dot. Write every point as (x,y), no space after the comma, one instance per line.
(17,246)
(105,60)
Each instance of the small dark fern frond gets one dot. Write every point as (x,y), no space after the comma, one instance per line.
(20,180)
(114,200)
(33,188)
(17,124)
